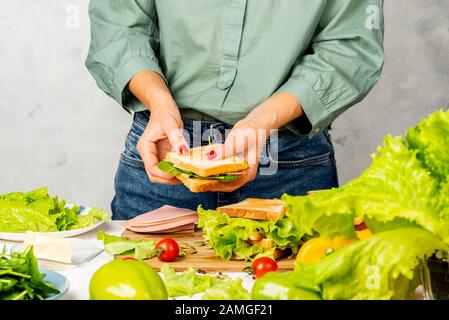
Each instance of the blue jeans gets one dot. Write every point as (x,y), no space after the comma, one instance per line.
(302,164)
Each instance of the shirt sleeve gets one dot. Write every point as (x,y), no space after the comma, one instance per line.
(124,39)
(344,63)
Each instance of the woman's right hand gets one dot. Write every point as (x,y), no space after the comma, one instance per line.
(164,131)
(162,134)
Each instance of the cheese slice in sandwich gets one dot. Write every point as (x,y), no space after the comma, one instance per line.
(201,174)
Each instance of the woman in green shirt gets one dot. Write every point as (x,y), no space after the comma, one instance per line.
(246,65)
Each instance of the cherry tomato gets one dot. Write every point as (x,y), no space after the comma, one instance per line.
(263,265)
(168,250)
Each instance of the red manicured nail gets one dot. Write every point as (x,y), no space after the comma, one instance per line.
(211,155)
(183,150)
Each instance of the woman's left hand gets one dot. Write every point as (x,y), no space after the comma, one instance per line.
(248,136)
(246,140)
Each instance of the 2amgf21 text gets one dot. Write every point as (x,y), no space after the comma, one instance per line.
(230,309)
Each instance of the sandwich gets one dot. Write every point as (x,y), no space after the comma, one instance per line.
(201,174)
(250,229)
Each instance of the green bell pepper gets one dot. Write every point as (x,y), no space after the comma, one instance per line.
(127,280)
(280,286)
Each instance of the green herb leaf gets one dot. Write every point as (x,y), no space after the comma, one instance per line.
(168,167)
(20,278)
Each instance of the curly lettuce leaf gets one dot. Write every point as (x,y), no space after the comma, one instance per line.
(28,197)
(18,217)
(186,283)
(395,187)
(228,236)
(92,217)
(37,211)
(381,267)
(430,139)
(67,219)
(189,282)
(227,290)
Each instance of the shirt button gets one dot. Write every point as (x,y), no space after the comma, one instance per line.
(227,77)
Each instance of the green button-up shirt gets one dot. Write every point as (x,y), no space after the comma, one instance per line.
(222,58)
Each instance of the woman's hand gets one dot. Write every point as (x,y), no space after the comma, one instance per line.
(248,136)
(162,134)
(164,131)
(247,140)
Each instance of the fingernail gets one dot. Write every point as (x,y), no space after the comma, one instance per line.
(211,155)
(183,150)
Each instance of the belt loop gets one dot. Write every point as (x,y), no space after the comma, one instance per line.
(217,133)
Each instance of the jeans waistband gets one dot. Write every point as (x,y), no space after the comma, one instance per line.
(217,128)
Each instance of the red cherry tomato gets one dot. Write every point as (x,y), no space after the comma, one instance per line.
(263,265)
(168,250)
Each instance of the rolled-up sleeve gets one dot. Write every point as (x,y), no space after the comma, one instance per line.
(124,40)
(344,63)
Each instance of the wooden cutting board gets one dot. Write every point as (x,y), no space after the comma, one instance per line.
(205,259)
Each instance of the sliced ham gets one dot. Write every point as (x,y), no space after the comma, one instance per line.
(184,229)
(189,228)
(166,219)
(164,226)
(165,213)
(162,222)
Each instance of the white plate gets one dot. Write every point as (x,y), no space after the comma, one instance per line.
(20,236)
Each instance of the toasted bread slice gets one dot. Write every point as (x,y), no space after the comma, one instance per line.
(199,185)
(258,209)
(197,162)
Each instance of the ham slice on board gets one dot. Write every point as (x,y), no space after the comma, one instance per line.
(165,226)
(193,216)
(182,229)
(166,219)
(165,213)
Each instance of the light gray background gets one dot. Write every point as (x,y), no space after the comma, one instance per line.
(58,130)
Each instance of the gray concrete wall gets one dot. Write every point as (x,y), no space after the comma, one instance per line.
(57,129)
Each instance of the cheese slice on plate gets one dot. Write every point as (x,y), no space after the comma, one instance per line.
(49,248)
